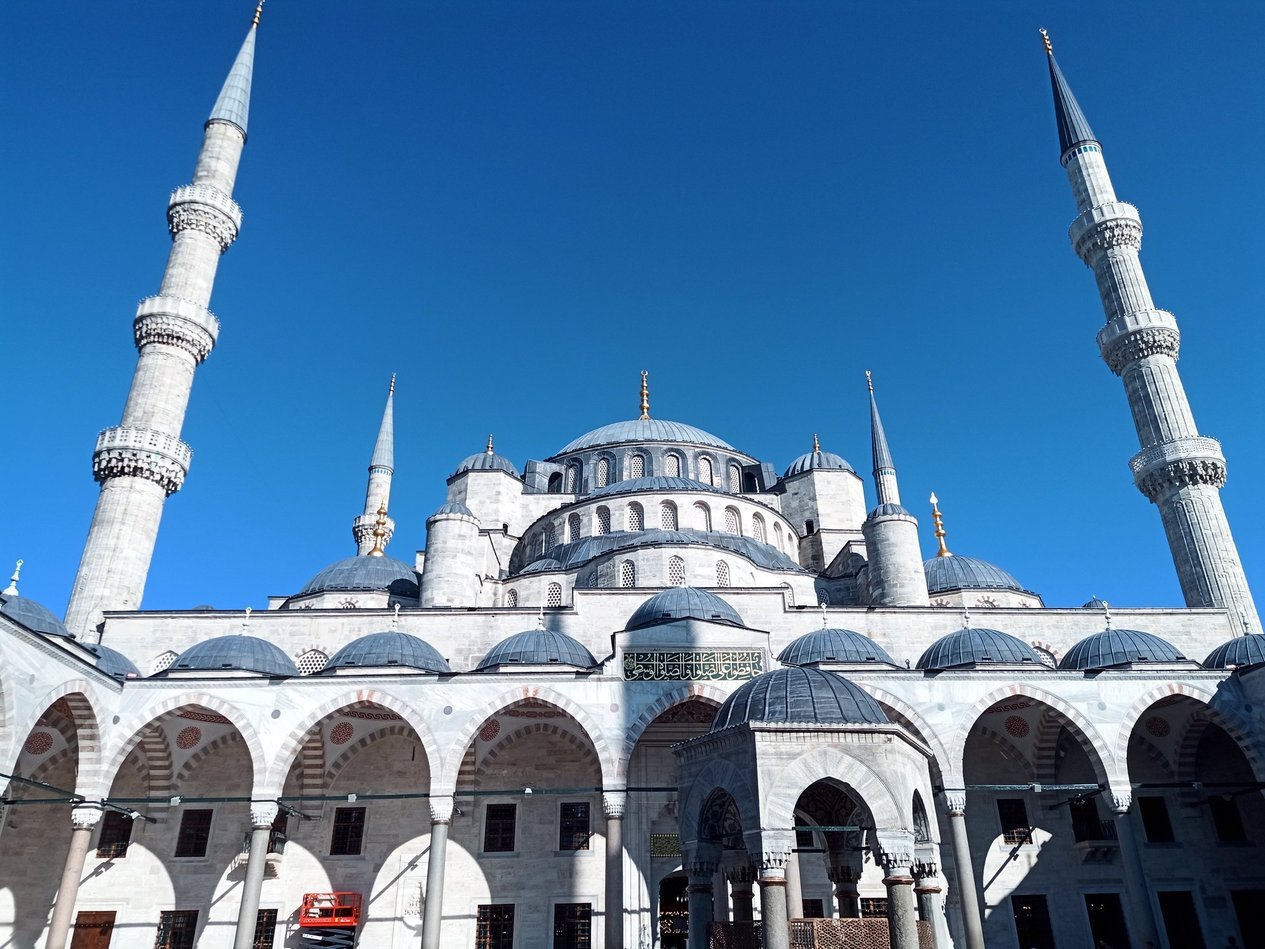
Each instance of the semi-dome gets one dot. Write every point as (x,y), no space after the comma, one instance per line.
(967,573)
(970,646)
(1246,650)
(543,565)
(802,696)
(833,645)
(538,647)
(365,574)
(644,430)
(237,653)
(453,507)
(653,483)
(818,460)
(486,461)
(1118,647)
(34,615)
(580,552)
(384,649)
(677,603)
(112,662)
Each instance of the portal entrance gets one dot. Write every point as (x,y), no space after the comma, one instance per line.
(93,931)
(674,911)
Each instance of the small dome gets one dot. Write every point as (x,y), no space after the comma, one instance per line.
(1246,650)
(1118,647)
(453,507)
(794,694)
(538,647)
(1094,603)
(967,573)
(883,510)
(644,430)
(543,565)
(653,483)
(818,460)
(969,646)
(677,603)
(238,653)
(34,615)
(388,648)
(833,645)
(486,461)
(112,662)
(369,574)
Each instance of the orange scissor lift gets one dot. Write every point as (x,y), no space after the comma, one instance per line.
(329,919)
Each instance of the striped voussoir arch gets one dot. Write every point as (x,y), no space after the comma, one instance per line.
(187,769)
(388,730)
(587,755)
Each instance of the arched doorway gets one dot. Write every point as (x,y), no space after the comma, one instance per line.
(674,911)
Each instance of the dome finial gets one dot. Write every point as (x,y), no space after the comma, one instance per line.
(12,588)
(246,622)
(395,620)
(379,533)
(645,395)
(1045,38)
(258,12)
(540,617)
(966,618)
(824,621)
(938,519)
(1106,613)
(489,449)
(816,445)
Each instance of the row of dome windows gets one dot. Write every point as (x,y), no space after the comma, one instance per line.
(628,578)
(640,466)
(669,520)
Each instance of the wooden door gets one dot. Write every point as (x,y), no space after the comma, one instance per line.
(93,931)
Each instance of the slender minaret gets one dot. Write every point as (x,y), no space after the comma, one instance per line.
(378,491)
(1179,470)
(895,575)
(142,461)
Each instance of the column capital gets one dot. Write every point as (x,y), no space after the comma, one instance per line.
(441,808)
(844,874)
(740,874)
(85,816)
(1119,800)
(263,813)
(924,869)
(955,801)
(895,851)
(700,870)
(614,804)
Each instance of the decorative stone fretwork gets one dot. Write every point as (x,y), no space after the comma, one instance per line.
(923,869)
(895,861)
(700,870)
(1121,350)
(362,529)
(955,800)
(1179,463)
(1100,229)
(614,803)
(174,321)
(772,862)
(141,453)
(845,874)
(441,808)
(263,813)
(740,873)
(85,816)
(206,209)
(1119,800)
(693,665)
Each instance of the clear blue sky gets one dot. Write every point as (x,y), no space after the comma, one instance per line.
(518,206)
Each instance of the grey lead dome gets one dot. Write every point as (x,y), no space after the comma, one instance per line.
(802,696)
(538,647)
(967,573)
(969,646)
(833,645)
(34,615)
(387,648)
(236,653)
(1118,647)
(678,603)
(373,574)
(645,430)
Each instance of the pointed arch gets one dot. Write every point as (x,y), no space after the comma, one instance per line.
(588,755)
(397,729)
(694,691)
(75,693)
(211,747)
(888,803)
(909,717)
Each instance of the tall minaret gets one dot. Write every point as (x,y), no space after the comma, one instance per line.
(1177,468)
(142,460)
(378,491)
(895,575)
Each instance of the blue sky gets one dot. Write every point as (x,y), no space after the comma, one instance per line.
(519,206)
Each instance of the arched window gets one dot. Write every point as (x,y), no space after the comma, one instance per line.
(757,528)
(777,535)
(603,520)
(733,523)
(823,598)
(636,519)
(672,466)
(573,528)
(311,661)
(789,593)
(555,482)
(735,479)
(702,516)
(627,574)
(573,478)
(676,572)
(553,598)
(551,538)
(705,471)
(667,516)
(163,661)
(722,573)
(603,472)
(637,466)
(511,599)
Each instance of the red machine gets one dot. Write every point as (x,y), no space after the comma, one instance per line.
(329,909)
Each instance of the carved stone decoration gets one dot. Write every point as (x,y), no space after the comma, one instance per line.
(141,453)
(1120,800)
(206,209)
(614,803)
(700,870)
(441,807)
(1123,351)
(955,801)
(1183,473)
(177,322)
(741,873)
(693,665)
(1100,229)
(263,813)
(85,815)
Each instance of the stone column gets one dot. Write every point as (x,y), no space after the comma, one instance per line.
(700,873)
(794,888)
(613,805)
(720,897)
(972,920)
(845,880)
(83,817)
(262,815)
(433,912)
(742,876)
(895,856)
(773,899)
(927,894)
(1144,928)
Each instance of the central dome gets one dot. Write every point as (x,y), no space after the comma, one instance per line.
(645,430)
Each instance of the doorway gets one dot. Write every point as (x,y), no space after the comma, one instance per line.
(1032,921)
(93,931)
(1181,922)
(674,911)
(1106,921)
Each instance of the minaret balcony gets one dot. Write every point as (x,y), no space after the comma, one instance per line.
(207,209)
(175,321)
(1179,463)
(1136,335)
(1109,225)
(141,453)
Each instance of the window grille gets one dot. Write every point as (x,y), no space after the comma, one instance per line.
(573,479)
(495,927)
(676,572)
(636,517)
(757,528)
(551,538)
(637,466)
(554,598)
(195,832)
(667,516)
(511,598)
(164,661)
(573,926)
(735,479)
(823,598)
(116,834)
(499,827)
(777,534)
(732,523)
(702,516)
(603,520)
(722,573)
(627,574)
(176,929)
(311,661)
(1012,813)
(603,472)
(705,471)
(265,929)
(574,829)
(573,528)
(672,466)
(349,831)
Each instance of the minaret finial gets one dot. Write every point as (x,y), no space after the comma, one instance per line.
(391,387)
(645,395)
(869,381)
(258,12)
(490,450)
(938,519)
(12,588)
(380,534)
(1045,38)
(816,445)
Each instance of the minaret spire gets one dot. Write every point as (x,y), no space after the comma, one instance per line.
(142,461)
(378,490)
(884,468)
(1178,469)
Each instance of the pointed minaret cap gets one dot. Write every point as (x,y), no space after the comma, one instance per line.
(233,104)
(384,447)
(12,588)
(938,519)
(878,438)
(1073,126)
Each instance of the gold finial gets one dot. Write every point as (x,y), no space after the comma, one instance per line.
(645,395)
(1045,38)
(869,381)
(490,451)
(938,519)
(391,390)
(258,11)
(816,444)
(380,533)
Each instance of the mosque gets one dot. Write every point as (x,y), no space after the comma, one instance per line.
(647,691)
